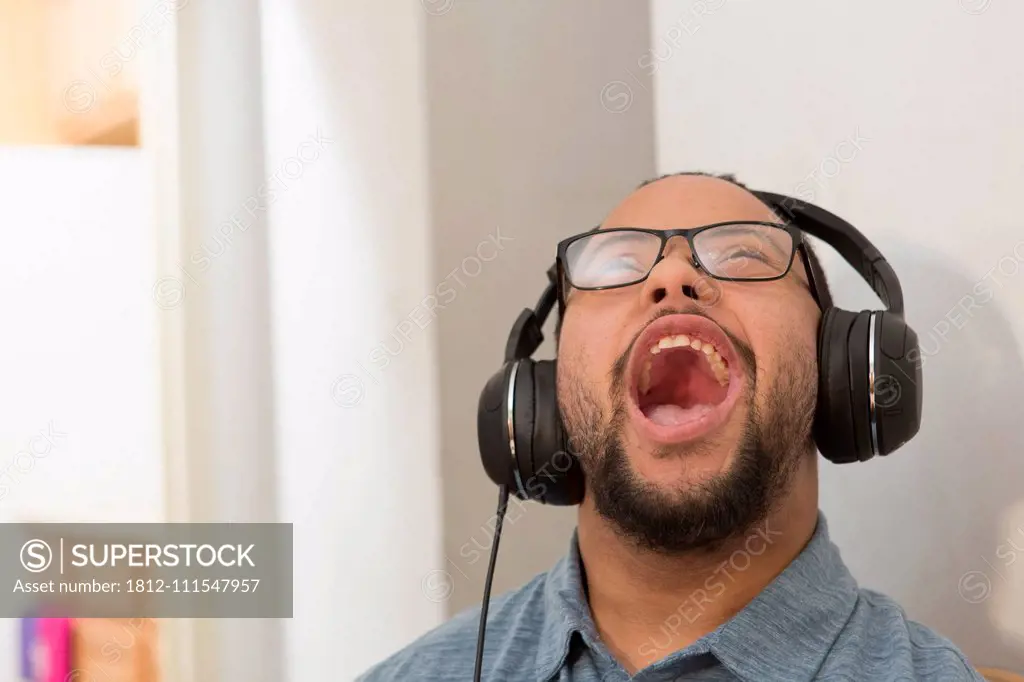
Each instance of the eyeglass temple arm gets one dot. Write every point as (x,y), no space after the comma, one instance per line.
(815,279)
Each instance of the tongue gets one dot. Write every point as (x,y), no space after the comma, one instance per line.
(673,415)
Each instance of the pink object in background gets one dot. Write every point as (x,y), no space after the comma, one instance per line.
(51,653)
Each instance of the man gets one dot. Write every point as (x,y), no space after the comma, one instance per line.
(700,551)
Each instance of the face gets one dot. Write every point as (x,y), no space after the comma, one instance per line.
(689,400)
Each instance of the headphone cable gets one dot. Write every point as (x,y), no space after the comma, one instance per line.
(502,506)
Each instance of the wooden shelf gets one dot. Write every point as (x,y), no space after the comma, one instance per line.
(69,72)
(114,120)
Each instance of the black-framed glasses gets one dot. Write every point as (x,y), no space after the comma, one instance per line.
(747,251)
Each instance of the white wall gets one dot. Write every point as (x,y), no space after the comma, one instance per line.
(78,356)
(204,126)
(527,147)
(357,443)
(932,92)
(80,352)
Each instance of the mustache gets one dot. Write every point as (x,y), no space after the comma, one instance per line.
(617,374)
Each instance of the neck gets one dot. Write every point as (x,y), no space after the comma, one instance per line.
(646,605)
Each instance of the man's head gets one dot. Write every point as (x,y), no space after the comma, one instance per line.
(683,446)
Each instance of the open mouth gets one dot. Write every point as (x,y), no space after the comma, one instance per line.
(684,382)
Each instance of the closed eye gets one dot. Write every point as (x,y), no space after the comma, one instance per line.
(745,253)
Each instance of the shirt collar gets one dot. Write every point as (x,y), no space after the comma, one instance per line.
(788,629)
(783,633)
(566,612)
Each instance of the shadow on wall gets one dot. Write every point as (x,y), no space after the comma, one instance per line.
(938,524)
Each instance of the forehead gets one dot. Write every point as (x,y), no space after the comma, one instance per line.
(687,201)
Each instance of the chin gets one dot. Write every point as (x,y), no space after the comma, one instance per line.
(678,470)
(683,401)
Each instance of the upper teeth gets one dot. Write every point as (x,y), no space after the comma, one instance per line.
(711,355)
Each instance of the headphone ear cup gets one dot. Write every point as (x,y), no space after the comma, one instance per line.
(555,476)
(869,391)
(492,428)
(898,388)
(835,430)
(535,463)
(524,415)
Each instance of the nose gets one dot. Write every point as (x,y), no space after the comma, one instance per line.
(676,279)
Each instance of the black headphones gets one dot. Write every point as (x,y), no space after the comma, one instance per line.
(869,388)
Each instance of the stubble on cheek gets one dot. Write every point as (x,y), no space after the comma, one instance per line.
(583,403)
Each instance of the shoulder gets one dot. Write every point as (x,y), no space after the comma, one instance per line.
(879,642)
(448,652)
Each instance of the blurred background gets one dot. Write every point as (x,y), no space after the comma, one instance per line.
(258,258)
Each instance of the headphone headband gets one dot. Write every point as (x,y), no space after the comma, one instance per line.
(527,333)
(853,246)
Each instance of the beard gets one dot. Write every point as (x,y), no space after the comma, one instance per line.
(705,514)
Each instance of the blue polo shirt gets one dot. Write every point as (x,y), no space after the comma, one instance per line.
(812,622)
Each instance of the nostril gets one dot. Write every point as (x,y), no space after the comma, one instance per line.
(660,293)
